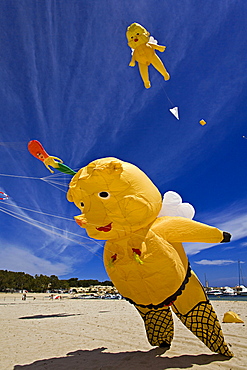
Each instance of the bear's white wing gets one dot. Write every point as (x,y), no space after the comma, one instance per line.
(152,40)
(173,205)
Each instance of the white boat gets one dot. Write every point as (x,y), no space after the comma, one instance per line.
(228,291)
(214,292)
(242,290)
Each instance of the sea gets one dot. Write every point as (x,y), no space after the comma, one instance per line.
(227,298)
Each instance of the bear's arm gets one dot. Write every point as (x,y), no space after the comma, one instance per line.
(181,229)
(157,47)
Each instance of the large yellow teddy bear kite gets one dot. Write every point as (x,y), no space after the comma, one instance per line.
(143,254)
(144,52)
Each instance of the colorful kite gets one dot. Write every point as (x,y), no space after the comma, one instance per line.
(37,150)
(144,52)
(143,255)
(3,196)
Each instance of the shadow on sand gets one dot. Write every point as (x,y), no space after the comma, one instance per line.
(97,359)
(48,316)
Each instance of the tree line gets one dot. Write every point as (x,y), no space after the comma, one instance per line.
(15,281)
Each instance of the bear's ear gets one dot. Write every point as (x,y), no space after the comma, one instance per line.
(69,196)
(90,167)
(87,171)
(111,167)
(114,167)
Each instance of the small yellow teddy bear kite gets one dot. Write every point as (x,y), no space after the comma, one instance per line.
(144,52)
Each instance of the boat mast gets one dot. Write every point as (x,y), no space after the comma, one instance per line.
(238,273)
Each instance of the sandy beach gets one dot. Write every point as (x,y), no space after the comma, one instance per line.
(104,334)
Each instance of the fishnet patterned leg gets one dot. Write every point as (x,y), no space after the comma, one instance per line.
(159,325)
(202,321)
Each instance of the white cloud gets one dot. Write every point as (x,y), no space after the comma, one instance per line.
(236,226)
(232,219)
(17,259)
(215,262)
(228,248)
(194,248)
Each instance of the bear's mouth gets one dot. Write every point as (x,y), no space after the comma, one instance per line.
(105,228)
(135,39)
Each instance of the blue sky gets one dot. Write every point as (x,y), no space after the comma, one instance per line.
(65,81)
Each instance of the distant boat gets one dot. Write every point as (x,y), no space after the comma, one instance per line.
(228,291)
(111,296)
(242,290)
(86,296)
(214,292)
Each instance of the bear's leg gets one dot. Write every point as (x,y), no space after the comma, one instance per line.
(158,325)
(197,314)
(143,68)
(202,321)
(158,64)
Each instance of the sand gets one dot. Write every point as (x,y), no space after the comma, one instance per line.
(104,334)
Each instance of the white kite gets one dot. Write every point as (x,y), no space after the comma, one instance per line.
(174,111)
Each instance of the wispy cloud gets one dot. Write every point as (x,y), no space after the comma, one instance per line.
(215,262)
(195,248)
(228,248)
(235,224)
(232,219)
(19,259)
(44,247)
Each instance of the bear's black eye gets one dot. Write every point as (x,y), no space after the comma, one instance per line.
(104,194)
(82,204)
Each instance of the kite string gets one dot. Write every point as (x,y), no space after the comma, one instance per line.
(162,86)
(42,223)
(35,211)
(24,219)
(50,183)
(22,177)
(55,182)
(45,179)
(36,224)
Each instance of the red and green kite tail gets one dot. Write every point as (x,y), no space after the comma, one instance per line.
(37,150)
